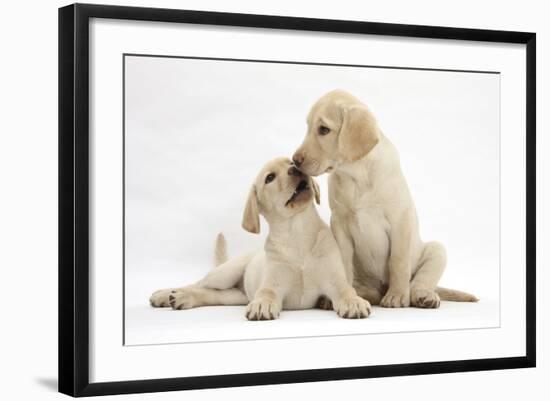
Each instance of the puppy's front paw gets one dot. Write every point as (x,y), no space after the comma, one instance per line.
(425,298)
(353,307)
(394,299)
(160,298)
(185,298)
(262,309)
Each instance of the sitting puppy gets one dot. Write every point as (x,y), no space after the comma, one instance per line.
(373,214)
(299,263)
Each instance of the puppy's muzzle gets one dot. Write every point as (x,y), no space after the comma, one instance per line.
(302,186)
(293,171)
(298,159)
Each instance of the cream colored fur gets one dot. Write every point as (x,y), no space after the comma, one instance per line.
(300,261)
(373,215)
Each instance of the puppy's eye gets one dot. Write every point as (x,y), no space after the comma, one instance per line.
(270,177)
(323,130)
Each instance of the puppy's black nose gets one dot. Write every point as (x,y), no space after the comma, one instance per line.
(294,171)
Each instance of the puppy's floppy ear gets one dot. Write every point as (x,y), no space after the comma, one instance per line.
(359,133)
(316,191)
(251,215)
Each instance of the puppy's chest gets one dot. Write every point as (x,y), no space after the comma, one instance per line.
(369,224)
(299,272)
(349,196)
(303,292)
(363,210)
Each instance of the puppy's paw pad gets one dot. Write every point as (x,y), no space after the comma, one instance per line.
(262,309)
(425,299)
(354,308)
(159,299)
(395,300)
(324,303)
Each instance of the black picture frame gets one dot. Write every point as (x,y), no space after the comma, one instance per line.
(74,198)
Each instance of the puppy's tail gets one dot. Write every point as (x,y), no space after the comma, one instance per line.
(220,250)
(447,294)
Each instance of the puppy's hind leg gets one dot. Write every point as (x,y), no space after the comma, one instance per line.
(423,285)
(224,278)
(159,299)
(227,275)
(192,297)
(368,291)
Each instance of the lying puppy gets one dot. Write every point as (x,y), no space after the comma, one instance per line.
(299,263)
(373,215)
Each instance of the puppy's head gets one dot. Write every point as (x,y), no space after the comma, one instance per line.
(340,130)
(279,191)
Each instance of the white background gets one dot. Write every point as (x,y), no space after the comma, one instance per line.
(29,217)
(198,131)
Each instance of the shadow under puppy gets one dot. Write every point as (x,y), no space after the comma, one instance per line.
(300,261)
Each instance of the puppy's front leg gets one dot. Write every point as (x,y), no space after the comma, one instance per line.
(398,294)
(268,300)
(266,305)
(347,303)
(345,243)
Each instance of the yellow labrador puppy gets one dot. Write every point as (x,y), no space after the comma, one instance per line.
(299,263)
(373,215)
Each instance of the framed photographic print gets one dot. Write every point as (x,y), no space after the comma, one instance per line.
(251,199)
